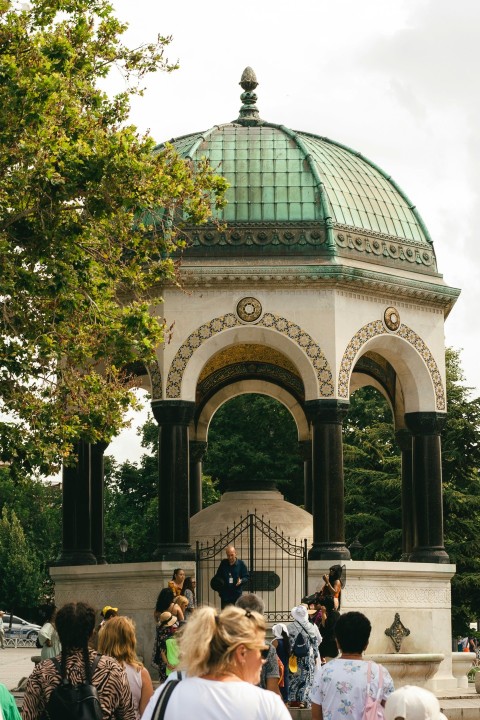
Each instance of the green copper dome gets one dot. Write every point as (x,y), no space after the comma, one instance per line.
(293,192)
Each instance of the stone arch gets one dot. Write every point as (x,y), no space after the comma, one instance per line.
(261,387)
(295,343)
(411,358)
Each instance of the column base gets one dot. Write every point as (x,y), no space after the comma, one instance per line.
(101,560)
(436,554)
(329,551)
(75,557)
(174,551)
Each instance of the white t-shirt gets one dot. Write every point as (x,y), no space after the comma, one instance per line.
(340,687)
(214,700)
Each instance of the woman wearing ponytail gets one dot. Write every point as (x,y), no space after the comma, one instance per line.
(222,656)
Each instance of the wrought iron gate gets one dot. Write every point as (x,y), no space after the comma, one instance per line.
(277,565)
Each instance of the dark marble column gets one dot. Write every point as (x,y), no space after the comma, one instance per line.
(305,450)
(197,451)
(326,417)
(404,440)
(427,486)
(97,482)
(173,418)
(76,510)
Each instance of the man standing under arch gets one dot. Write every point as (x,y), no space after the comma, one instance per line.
(231,575)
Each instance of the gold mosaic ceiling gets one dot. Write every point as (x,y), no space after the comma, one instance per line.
(244,353)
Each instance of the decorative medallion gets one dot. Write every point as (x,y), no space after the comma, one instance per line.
(249,309)
(397,632)
(391,318)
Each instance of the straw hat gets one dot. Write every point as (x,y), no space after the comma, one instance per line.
(167,619)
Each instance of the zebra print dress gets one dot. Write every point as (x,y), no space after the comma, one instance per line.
(109,678)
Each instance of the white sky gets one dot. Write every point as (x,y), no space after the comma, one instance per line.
(395,79)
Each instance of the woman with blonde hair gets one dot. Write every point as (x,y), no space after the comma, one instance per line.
(222,655)
(117,639)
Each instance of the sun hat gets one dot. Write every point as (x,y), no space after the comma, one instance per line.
(413,703)
(300,613)
(107,608)
(167,619)
(278,629)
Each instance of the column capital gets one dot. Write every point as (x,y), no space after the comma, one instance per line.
(305,449)
(326,411)
(197,450)
(404,439)
(425,423)
(173,412)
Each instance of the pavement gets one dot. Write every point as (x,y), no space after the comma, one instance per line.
(16,664)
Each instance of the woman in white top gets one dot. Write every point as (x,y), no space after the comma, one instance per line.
(117,639)
(48,636)
(341,687)
(222,657)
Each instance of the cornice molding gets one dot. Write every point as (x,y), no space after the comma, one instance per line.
(328,275)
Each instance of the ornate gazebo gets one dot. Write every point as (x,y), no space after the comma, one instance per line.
(318,278)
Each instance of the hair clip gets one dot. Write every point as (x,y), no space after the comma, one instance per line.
(217,620)
(248,613)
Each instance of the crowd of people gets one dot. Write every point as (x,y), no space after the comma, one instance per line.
(219,665)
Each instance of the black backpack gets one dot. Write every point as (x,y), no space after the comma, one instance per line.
(74,702)
(301,646)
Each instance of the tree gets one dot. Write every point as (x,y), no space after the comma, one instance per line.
(372,477)
(253,437)
(83,244)
(20,579)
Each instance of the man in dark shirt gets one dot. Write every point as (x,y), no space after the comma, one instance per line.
(231,575)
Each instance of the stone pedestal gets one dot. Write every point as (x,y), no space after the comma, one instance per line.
(132,587)
(420,593)
(461,664)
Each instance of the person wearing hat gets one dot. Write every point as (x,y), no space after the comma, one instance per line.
(106,613)
(281,643)
(2,630)
(166,627)
(302,680)
(413,703)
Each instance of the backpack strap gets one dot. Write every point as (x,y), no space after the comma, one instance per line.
(164,697)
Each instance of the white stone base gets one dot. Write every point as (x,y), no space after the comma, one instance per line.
(420,593)
(132,587)
(461,664)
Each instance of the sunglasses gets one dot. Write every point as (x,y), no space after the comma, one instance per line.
(264,652)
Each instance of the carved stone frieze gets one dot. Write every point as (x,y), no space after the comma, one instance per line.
(374,329)
(399,596)
(280,324)
(257,234)
(378,245)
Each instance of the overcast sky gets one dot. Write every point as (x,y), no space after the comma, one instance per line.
(395,79)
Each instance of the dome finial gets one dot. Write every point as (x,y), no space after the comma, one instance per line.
(249,111)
